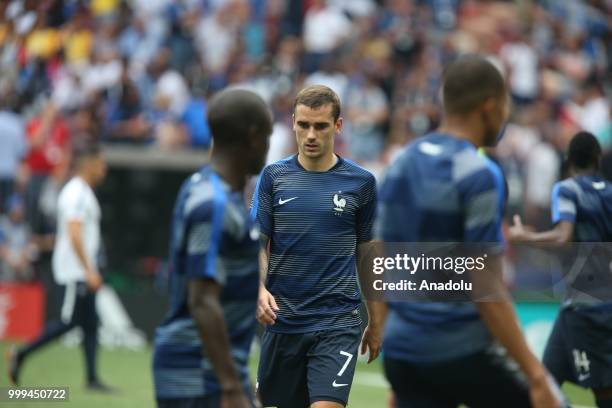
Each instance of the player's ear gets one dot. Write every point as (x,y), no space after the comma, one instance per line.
(293,122)
(489,105)
(339,124)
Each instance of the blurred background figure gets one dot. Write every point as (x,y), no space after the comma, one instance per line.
(12,145)
(17,247)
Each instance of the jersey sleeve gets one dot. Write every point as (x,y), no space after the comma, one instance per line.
(261,209)
(389,208)
(204,236)
(75,204)
(484,199)
(367,211)
(563,204)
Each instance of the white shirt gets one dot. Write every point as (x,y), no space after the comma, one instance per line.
(77,202)
(524,62)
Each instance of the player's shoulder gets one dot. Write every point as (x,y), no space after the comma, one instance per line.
(201,192)
(568,185)
(75,188)
(357,171)
(596,183)
(278,167)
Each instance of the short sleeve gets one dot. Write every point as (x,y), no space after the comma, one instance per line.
(204,235)
(261,209)
(563,204)
(391,207)
(367,211)
(76,203)
(483,200)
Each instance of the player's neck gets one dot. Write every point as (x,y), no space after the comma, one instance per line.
(230,170)
(591,171)
(89,180)
(320,164)
(462,129)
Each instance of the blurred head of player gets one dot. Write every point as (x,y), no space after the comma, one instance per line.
(584,153)
(316,121)
(241,124)
(90,164)
(475,99)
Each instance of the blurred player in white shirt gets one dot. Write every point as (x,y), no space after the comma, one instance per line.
(75,266)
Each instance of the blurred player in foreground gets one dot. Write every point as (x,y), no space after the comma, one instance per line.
(75,264)
(580,346)
(441,190)
(314,209)
(202,346)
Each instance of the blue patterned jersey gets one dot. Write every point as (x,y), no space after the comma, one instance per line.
(213,237)
(439,189)
(314,220)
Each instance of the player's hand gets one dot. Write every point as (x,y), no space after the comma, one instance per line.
(235,399)
(545,393)
(266,307)
(94,281)
(517,230)
(372,340)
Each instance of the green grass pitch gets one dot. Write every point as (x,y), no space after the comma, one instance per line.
(130,372)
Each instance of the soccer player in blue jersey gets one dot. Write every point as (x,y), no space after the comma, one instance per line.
(580,346)
(202,346)
(440,189)
(314,210)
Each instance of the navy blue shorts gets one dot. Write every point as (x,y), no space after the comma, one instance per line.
(579,348)
(190,402)
(482,380)
(296,370)
(209,401)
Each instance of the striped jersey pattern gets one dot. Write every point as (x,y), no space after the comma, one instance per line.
(315,221)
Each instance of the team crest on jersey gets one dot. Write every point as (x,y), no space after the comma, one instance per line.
(339,203)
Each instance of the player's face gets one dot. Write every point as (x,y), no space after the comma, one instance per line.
(315,130)
(494,117)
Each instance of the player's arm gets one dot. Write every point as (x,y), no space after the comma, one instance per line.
(501,320)
(266,304)
(484,204)
(563,209)
(561,233)
(377,315)
(206,229)
(377,310)
(75,235)
(207,313)
(261,211)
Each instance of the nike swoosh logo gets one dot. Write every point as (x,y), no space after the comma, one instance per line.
(281,201)
(582,377)
(336,385)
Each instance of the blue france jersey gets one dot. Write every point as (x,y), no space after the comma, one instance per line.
(439,189)
(586,202)
(213,237)
(315,220)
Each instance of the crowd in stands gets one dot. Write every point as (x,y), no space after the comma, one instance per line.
(140,72)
